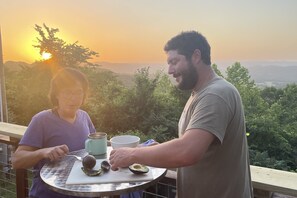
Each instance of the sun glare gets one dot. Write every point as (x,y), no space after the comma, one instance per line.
(46,55)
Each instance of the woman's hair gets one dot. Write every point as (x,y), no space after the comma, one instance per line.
(66,78)
(187,42)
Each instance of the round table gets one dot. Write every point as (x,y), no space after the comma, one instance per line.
(55,175)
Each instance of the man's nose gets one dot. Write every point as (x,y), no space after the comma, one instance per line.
(171,69)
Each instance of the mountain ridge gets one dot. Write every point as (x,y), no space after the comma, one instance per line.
(269,72)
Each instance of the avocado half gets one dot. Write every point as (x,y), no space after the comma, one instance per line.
(138,169)
(91,172)
(89,163)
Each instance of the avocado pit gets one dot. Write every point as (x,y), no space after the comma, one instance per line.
(89,162)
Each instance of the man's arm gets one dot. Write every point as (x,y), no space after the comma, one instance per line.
(179,152)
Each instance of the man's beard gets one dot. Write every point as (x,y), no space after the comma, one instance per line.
(189,78)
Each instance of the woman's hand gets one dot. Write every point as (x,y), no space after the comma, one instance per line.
(55,153)
(27,156)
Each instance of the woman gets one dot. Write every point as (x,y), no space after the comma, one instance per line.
(53,133)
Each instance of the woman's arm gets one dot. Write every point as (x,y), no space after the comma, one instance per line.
(27,156)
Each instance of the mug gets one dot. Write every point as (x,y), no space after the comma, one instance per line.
(96,144)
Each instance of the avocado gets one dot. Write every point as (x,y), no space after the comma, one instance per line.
(138,168)
(89,162)
(91,172)
(105,166)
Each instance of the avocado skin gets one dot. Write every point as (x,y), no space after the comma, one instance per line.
(105,166)
(138,169)
(91,172)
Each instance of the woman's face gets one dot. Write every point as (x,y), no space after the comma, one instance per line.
(70,99)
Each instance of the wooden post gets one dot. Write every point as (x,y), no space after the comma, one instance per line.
(259,193)
(21,183)
(21,175)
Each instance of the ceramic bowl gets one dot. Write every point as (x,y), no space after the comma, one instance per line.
(124,141)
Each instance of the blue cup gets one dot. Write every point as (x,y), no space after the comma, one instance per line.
(96,144)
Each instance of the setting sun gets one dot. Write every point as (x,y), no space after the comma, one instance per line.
(46,55)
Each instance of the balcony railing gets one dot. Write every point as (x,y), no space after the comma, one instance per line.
(267,182)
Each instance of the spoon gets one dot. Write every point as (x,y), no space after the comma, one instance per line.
(77,157)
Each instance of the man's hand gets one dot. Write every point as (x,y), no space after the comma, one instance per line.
(122,157)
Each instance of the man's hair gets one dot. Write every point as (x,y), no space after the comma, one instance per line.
(66,78)
(187,42)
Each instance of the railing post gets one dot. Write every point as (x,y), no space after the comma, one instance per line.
(21,183)
(259,193)
(21,175)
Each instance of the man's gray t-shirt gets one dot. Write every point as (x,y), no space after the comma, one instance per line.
(223,172)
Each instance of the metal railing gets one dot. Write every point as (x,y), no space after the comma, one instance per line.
(13,183)
(162,189)
(7,176)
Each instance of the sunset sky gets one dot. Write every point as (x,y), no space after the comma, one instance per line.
(135,31)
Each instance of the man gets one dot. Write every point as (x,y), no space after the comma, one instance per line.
(211,153)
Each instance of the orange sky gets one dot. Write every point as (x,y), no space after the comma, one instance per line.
(136,30)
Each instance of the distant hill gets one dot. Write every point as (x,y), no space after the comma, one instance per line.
(264,73)
(273,73)
(16,65)
(131,68)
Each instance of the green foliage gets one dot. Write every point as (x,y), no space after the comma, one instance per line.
(288,103)
(262,159)
(27,93)
(149,106)
(217,71)
(271,95)
(270,120)
(250,93)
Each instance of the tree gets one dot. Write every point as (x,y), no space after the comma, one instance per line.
(27,91)
(270,120)
(63,54)
(271,94)
(28,86)
(217,71)
(261,122)
(285,111)
(250,93)
(106,101)
(148,108)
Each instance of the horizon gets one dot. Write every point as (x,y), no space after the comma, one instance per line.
(136,32)
(131,68)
